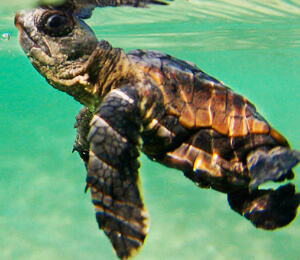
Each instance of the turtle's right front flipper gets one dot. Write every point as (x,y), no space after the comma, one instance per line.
(113,173)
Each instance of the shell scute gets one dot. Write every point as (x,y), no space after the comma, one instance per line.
(157,75)
(202,96)
(256,125)
(203,118)
(237,126)
(218,101)
(188,116)
(220,122)
(279,138)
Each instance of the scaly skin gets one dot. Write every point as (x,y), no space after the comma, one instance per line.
(170,110)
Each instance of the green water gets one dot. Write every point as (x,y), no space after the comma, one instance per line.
(44,213)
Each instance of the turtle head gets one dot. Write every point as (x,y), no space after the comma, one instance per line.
(60,46)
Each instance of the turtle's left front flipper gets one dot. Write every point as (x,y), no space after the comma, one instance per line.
(113,172)
(85,8)
(267,209)
(82,125)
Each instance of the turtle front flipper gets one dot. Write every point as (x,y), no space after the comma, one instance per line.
(85,8)
(82,125)
(113,173)
(267,209)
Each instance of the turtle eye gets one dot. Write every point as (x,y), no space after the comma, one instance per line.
(54,23)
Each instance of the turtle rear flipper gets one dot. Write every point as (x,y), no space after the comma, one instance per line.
(271,165)
(267,209)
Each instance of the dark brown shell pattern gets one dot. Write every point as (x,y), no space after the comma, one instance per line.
(204,120)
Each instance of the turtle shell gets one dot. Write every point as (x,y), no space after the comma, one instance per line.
(201,123)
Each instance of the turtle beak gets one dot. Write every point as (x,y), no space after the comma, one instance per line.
(17,18)
(29,37)
(19,23)
(24,40)
(20,26)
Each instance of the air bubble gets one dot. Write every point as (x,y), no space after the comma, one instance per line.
(5,37)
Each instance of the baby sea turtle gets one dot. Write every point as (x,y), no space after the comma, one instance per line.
(170,110)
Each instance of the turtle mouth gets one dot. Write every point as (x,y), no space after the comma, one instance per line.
(27,42)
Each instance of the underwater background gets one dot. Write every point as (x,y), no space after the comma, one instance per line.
(252,46)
